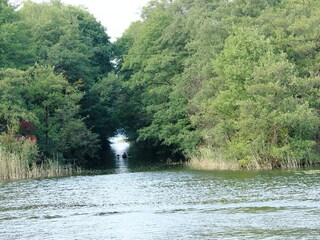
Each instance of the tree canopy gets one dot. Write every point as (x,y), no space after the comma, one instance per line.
(51,56)
(233,80)
(239,78)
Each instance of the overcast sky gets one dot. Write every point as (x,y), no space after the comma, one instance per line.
(115,15)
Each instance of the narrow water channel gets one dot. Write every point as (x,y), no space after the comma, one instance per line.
(120,149)
(174,203)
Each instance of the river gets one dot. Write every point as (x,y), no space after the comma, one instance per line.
(163,203)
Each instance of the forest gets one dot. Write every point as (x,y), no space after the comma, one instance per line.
(222,84)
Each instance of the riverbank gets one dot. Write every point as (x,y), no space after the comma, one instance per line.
(208,159)
(16,166)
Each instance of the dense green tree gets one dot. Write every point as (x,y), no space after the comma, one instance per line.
(104,111)
(293,27)
(55,102)
(153,65)
(49,103)
(255,112)
(238,78)
(68,38)
(77,47)
(234,77)
(12,104)
(76,44)
(15,50)
(94,35)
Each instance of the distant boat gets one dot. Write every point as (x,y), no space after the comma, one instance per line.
(124,155)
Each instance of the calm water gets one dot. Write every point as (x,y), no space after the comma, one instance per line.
(164,204)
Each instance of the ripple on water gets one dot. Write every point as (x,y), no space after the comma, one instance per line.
(163,205)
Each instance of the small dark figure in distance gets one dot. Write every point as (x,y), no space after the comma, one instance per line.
(124,155)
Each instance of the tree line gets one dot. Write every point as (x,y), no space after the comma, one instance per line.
(52,57)
(233,83)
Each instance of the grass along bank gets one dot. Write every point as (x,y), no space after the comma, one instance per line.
(213,159)
(207,159)
(18,160)
(13,167)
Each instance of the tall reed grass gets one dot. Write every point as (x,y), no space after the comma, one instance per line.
(208,159)
(14,167)
(18,160)
(212,159)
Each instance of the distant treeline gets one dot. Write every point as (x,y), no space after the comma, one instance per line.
(228,84)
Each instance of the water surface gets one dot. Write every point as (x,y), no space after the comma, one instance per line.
(174,203)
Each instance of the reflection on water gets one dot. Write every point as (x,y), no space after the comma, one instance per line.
(119,147)
(139,157)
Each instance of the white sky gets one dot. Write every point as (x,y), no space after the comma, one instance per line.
(115,15)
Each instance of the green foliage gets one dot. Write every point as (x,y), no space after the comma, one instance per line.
(237,77)
(72,51)
(56,104)
(104,111)
(16,157)
(17,161)
(12,104)
(68,38)
(26,150)
(154,60)
(15,48)
(51,104)
(233,80)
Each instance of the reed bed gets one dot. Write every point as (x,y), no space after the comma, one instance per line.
(15,166)
(19,159)
(207,159)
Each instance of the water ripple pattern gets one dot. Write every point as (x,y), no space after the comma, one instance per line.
(167,204)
